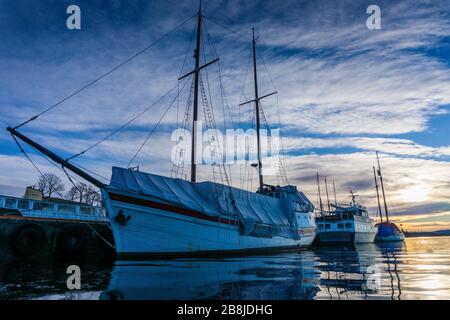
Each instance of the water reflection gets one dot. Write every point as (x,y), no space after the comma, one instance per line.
(270,277)
(325,273)
(419,269)
(46,279)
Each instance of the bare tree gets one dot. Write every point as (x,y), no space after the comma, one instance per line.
(84,193)
(50,184)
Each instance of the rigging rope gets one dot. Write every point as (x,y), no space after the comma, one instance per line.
(125,124)
(281,158)
(154,128)
(34,165)
(178,163)
(106,74)
(237,33)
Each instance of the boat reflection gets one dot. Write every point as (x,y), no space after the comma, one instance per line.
(363,271)
(325,273)
(280,277)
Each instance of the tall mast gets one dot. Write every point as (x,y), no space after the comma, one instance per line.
(382,188)
(196,81)
(334,191)
(258,141)
(378,194)
(196,73)
(256,101)
(328,199)
(320,197)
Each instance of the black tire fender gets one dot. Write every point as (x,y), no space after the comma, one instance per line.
(71,240)
(27,239)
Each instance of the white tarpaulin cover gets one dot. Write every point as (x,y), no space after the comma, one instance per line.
(212,198)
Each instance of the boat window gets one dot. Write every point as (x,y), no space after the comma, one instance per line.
(64,208)
(327,226)
(10,203)
(320,226)
(86,210)
(42,206)
(340,225)
(348,225)
(23,204)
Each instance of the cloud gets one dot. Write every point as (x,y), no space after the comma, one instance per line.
(394,146)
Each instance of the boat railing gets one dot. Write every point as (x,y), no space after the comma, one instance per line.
(53,209)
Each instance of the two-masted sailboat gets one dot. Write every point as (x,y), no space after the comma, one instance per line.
(157,215)
(387,230)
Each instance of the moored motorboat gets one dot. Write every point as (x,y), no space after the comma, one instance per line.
(344,223)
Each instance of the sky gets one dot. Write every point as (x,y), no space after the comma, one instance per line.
(343,91)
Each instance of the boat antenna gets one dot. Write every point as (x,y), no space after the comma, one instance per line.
(320,197)
(256,101)
(382,188)
(328,199)
(334,191)
(378,194)
(353,196)
(196,73)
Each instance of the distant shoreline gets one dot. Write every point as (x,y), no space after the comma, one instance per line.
(438,233)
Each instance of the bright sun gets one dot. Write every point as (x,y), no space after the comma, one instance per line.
(416,193)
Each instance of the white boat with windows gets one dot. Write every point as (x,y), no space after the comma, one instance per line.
(346,224)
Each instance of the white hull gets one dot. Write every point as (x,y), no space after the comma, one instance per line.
(338,237)
(152,231)
(356,230)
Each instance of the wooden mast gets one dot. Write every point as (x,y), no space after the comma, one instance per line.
(320,197)
(196,73)
(334,191)
(258,139)
(328,199)
(256,101)
(378,194)
(382,188)
(196,81)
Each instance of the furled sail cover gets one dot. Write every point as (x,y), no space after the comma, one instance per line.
(211,198)
(176,191)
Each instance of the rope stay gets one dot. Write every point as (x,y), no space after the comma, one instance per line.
(32,162)
(281,167)
(124,125)
(178,162)
(237,33)
(106,73)
(156,125)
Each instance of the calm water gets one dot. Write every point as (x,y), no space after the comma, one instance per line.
(416,269)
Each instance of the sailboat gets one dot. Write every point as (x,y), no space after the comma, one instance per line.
(153,215)
(387,230)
